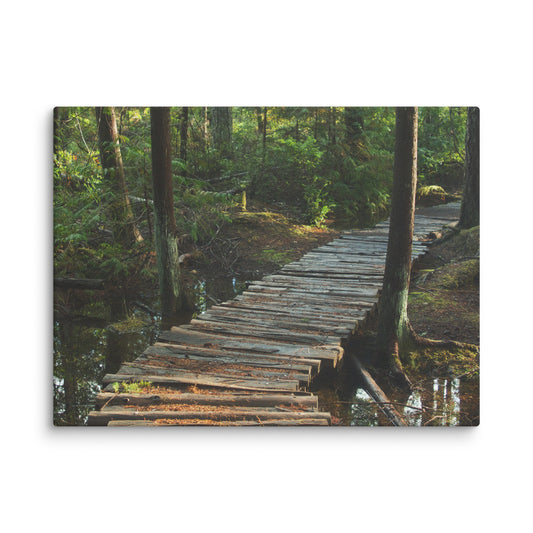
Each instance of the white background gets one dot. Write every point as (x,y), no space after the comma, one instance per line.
(277,53)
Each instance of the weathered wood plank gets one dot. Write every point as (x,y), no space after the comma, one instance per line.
(195,378)
(229,357)
(108,414)
(329,271)
(286,291)
(335,259)
(357,281)
(341,302)
(303,401)
(297,312)
(293,284)
(166,365)
(287,323)
(196,422)
(304,312)
(266,333)
(346,287)
(192,336)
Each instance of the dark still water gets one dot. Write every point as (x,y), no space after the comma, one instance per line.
(92,342)
(435,402)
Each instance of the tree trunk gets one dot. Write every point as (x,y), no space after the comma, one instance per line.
(166,237)
(222,129)
(265,112)
(393,323)
(125,229)
(77,283)
(332,126)
(58,111)
(259,117)
(205,128)
(470,204)
(184,126)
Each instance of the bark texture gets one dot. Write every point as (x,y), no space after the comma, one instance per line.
(184,126)
(393,323)
(125,229)
(470,204)
(166,237)
(222,128)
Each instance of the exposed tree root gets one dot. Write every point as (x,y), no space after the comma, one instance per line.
(394,366)
(395,369)
(400,378)
(433,343)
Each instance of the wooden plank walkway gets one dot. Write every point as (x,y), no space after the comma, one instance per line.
(250,361)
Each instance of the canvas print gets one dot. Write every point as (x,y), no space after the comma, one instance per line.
(266,266)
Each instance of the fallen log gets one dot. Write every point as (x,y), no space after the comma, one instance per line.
(78,283)
(378,395)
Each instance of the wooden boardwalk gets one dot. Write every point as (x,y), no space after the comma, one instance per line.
(250,361)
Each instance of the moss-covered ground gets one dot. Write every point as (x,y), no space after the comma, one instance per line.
(444,305)
(257,242)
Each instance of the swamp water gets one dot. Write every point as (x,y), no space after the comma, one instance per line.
(435,402)
(88,347)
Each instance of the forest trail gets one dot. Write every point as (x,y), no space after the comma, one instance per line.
(250,361)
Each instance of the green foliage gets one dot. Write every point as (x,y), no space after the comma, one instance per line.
(362,190)
(200,213)
(308,163)
(83,241)
(441,138)
(318,202)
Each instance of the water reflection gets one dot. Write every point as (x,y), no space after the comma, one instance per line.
(85,349)
(79,365)
(443,403)
(364,411)
(414,409)
(438,402)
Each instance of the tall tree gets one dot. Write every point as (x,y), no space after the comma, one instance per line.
(332,126)
(222,129)
(264,132)
(259,116)
(166,237)
(57,126)
(205,127)
(470,204)
(395,332)
(184,127)
(393,322)
(354,127)
(125,229)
